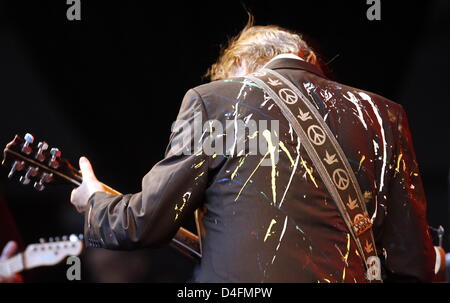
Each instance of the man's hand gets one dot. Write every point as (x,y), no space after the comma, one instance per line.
(10,250)
(90,185)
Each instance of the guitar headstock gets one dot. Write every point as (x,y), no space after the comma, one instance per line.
(53,251)
(37,163)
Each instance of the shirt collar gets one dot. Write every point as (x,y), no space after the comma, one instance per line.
(291,61)
(284,56)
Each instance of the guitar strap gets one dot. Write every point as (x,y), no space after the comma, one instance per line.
(329,160)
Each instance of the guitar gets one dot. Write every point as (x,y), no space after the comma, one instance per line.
(440,264)
(42,254)
(38,164)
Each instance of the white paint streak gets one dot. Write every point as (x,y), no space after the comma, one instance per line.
(326,94)
(352,98)
(383,136)
(309,87)
(291,132)
(235,128)
(271,150)
(281,238)
(294,169)
(376,210)
(266,99)
(244,84)
(246,119)
(376,147)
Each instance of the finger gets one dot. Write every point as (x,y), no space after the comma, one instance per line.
(10,249)
(86,169)
(74,199)
(73,195)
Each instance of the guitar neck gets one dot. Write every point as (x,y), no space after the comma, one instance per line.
(40,166)
(12,266)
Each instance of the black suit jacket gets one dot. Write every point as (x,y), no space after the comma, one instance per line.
(265,225)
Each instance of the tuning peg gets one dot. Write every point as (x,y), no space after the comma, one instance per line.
(17,166)
(38,186)
(57,239)
(81,236)
(29,139)
(46,178)
(73,238)
(56,154)
(64,238)
(41,240)
(50,239)
(440,232)
(31,172)
(42,147)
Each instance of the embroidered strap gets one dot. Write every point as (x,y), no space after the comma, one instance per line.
(329,160)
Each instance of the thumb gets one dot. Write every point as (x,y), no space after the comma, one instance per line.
(9,250)
(86,169)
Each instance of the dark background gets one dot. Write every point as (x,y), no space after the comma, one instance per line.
(109,87)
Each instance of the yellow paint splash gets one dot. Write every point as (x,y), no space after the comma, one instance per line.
(309,171)
(201,174)
(397,169)
(283,147)
(186,197)
(253,136)
(367,196)
(241,161)
(199,164)
(251,175)
(361,162)
(269,233)
(271,150)
(346,257)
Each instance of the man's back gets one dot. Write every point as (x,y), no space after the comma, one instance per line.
(278,223)
(272,219)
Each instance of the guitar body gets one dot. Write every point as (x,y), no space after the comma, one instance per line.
(441,265)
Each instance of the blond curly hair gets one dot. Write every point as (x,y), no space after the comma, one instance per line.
(254,46)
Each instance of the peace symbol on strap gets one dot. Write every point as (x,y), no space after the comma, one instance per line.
(316,135)
(288,95)
(341,179)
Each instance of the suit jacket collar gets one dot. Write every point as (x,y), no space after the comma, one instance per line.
(289,63)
